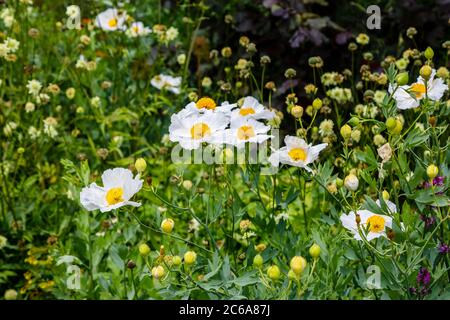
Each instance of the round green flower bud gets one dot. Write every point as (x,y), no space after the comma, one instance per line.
(140,165)
(273,272)
(298,264)
(317,104)
(167,225)
(432,171)
(402,78)
(391,123)
(425,72)
(258,261)
(176,260)
(429,53)
(144,250)
(346,131)
(354,121)
(190,257)
(314,251)
(10,294)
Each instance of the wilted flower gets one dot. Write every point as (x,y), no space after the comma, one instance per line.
(385,152)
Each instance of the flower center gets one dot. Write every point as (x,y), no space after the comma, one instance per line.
(246,111)
(297,154)
(114,196)
(136,29)
(418,89)
(206,103)
(200,130)
(112,22)
(376,224)
(245,132)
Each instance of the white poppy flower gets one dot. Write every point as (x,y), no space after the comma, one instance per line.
(296,153)
(119,187)
(375,223)
(245,130)
(251,108)
(111,20)
(195,129)
(138,29)
(167,82)
(409,96)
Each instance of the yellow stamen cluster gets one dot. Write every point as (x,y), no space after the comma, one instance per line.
(112,22)
(200,130)
(246,111)
(114,196)
(376,224)
(206,103)
(245,132)
(297,154)
(418,89)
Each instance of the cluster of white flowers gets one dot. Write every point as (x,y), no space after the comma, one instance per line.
(236,125)
(113,20)
(231,124)
(8,47)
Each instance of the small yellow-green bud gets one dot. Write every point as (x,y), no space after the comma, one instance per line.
(258,261)
(10,294)
(429,53)
(140,165)
(273,272)
(354,121)
(167,225)
(398,127)
(317,104)
(190,257)
(176,260)
(144,249)
(425,72)
(158,272)
(346,131)
(298,264)
(385,195)
(391,123)
(297,111)
(402,78)
(314,251)
(432,171)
